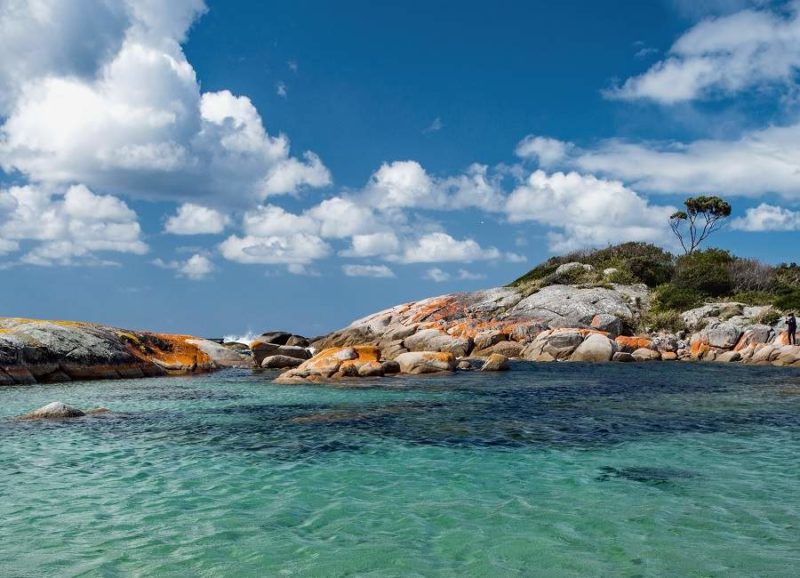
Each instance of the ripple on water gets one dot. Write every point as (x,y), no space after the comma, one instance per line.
(567,470)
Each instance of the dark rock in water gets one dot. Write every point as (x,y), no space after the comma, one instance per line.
(276,337)
(54,410)
(236,346)
(644,474)
(280,362)
(298,341)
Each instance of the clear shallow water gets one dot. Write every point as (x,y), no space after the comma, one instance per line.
(547,470)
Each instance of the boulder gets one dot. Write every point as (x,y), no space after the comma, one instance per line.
(297,341)
(764,354)
(485,339)
(622,356)
(787,355)
(262,349)
(294,351)
(435,340)
(370,369)
(553,345)
(608,323)
(526,332)
(567,268)
(665,343)
(392,349)
(276,337)
(723,335)
(631,344)
(390,367)
(754,335)
(464,365)
(645,354)
(416,362)
(280,362)
(334,362)
(496,362)
(595,348)
(729,357)
(669,356)
(54,410)
(506,348)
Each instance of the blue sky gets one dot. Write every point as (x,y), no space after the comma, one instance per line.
(225,167)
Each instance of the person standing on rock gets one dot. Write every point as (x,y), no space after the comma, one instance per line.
(791,328)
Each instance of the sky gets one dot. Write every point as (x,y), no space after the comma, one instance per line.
(227,167)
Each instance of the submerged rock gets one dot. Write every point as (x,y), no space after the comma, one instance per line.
(54,410)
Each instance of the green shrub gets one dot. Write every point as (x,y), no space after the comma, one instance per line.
(706,272)
(623,276)
(754,297)
(769,317)
(670,297)
(663,321)
(787,299)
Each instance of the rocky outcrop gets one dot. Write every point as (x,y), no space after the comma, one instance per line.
(35,351)
(416,362)
(496,362)
(595,348)
(54,410)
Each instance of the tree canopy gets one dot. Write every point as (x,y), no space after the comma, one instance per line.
(703,216)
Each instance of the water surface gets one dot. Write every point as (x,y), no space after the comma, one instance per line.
(547,470)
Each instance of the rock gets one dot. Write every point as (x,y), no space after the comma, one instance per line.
(220,355)
(280,362)
(98,411)
(390,367)
(392,349)
(334,362)
(275,337)
(764,354)
(525,333)
(297,341)
(610,271)
(496,362)
(722,335)
(608,323)
(464,365)
(506,348)
(573,306)
(622,356)
(756,334)
(238,347)
(435,340)
(665,343)
(567,268)
(729,357)
(293,351)
(644,354)
(553,345)
(370,369)
(595,348)
(485,339)
(631,344)
(262,349)
(54,410)
(669,356)
(787,355)
(416,362)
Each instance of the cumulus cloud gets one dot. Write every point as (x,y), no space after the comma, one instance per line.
(196,267)
(372,245)
(194,219)
(294,249)
(766,217)
(546,151)
(441,247)
(436,275)
(376,271)
(586,211)
(128,116)
(722,56)
(67,229)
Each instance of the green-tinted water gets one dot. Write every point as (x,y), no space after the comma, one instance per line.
(548,470)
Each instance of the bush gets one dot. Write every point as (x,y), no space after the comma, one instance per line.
(670,297)
(787,299)
(752,275)
(663,321)
(635,262)
(706,272)
(770,317)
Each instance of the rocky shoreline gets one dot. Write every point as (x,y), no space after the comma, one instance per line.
(446,333)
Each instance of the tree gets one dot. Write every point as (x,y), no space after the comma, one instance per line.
(702,217)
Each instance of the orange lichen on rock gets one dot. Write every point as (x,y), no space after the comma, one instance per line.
(171,352)
(699,346)
(631,344)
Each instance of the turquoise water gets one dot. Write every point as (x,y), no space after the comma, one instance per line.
(547,470)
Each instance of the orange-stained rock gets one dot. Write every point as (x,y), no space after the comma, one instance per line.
(669,356)
(699,346)
(631,344)
(416,362)
(333,362)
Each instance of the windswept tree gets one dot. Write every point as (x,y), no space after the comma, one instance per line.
(702,217)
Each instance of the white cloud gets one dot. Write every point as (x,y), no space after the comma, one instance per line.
(292,249)
(340,217)
(196,267)
(465,275)
(546,151)
(377,271)
(271,220)
(128,116)
(759,162)
(68,229)
(586,211)
(436,275)
(766,217)
(403,184)
(441,247)
(435,126)
(723,56)
(194,219)
(373,244)
(281,90)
